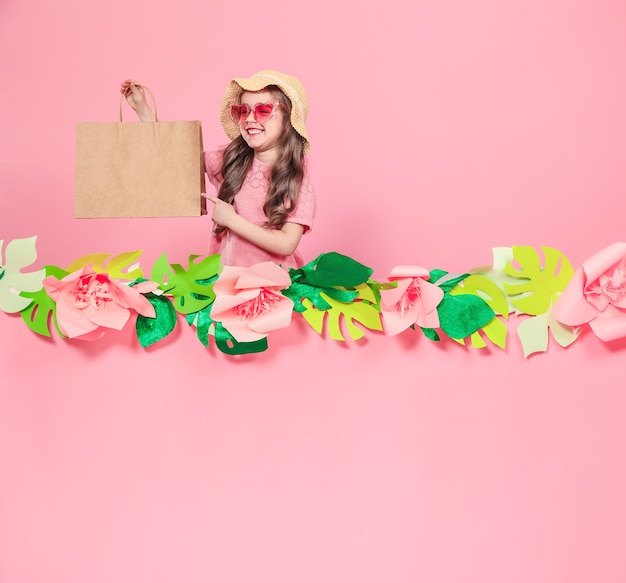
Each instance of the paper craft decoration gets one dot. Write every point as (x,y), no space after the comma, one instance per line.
(536,291)
(138,169)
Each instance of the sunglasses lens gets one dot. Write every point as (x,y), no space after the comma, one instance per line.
(262,112)
(239,112)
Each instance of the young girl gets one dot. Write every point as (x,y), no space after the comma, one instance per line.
(265,201)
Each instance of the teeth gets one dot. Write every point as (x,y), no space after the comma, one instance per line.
(254,131)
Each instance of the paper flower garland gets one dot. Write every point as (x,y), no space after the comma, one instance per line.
(335,294)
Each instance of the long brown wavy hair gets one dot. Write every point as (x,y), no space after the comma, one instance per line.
(286,176)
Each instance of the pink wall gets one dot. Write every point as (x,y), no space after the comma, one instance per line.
(439,130)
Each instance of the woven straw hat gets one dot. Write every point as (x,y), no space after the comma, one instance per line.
(289,85)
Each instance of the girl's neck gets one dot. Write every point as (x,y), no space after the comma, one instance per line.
(268,157)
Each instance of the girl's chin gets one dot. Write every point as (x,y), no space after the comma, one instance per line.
(253,142)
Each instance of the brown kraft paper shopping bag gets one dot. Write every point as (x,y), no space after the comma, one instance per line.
(139,169)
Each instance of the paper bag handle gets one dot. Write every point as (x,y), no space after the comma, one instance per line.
(153,109)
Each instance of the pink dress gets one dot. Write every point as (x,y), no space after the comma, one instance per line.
(235,250)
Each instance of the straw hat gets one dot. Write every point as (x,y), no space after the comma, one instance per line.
(289,85)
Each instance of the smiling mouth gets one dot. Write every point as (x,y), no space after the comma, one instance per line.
(253,131)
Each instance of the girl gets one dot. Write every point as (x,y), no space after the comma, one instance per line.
(265,201)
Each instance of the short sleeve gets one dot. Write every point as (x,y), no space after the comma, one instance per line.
(213,167)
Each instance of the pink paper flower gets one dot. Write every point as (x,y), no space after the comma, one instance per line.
(414,301)
(596,294)
(248,301)
(89,303)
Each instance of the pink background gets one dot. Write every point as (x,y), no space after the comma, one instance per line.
(439,130)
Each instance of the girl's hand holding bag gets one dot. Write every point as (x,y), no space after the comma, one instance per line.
(139,169)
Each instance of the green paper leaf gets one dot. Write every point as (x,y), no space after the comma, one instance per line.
(332,270)
(326,276)
(376,286)
(301,291)
(202,321)
(42,310)
(191,288)
(431,334)
(123,266)
(152,330)
(496,299)
(540,285)
(225,341)
(462,315)
(436,275)
(362,311)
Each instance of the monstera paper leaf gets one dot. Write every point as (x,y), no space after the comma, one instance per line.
(227,343)
(191,288)
(18,254)
(362,310)
(224,340)
(202,322)
(124,266)
(42,309)
(540,284)
(534,333)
